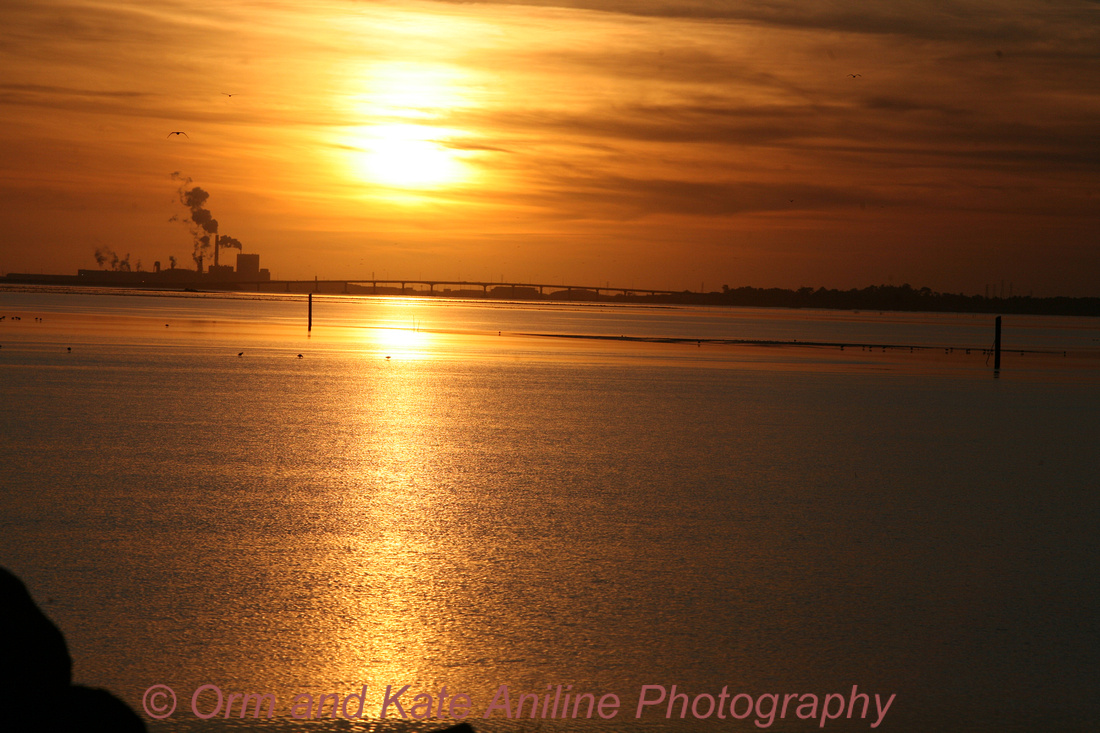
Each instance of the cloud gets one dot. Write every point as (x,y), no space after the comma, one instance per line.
(972,20)
(622,197)
(598,112)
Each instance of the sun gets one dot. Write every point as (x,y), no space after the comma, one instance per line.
(403,141)
(406,156)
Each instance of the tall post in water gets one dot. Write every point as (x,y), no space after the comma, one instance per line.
(997,346)
(309,323)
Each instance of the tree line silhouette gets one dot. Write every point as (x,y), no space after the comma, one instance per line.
(878,297)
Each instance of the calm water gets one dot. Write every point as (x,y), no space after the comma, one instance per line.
(481,510)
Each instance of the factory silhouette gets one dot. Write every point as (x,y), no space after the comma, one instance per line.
(248,270)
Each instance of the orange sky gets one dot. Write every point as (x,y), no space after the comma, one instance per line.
(641,143)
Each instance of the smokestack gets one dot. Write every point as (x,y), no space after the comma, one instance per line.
(203,226)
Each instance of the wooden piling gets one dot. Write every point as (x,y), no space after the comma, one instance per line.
(997,346)
(309,325)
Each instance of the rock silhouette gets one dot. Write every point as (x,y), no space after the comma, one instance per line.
(460,728)
(36,675)
(36,690)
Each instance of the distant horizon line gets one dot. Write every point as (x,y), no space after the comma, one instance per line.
(517,283)
(872,297)
(431,282)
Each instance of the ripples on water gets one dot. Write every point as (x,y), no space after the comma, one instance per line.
(479,510)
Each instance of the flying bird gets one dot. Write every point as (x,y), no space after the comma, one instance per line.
(855,75)
(227,94)
(179,132)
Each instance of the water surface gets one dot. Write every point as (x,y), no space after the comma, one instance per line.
(479,509)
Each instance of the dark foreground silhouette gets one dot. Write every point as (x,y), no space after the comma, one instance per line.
(36,690)
(36,675)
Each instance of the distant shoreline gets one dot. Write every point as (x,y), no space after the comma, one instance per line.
(895,298)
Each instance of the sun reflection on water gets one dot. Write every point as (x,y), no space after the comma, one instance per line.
(400,343)
(394,552)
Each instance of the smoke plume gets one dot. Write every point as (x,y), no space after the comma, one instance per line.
(202,224)
(105,255)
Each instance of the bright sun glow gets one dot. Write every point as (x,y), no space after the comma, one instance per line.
(406,156)
(399,146)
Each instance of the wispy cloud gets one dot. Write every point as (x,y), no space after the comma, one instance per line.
(948,20)
(723,116)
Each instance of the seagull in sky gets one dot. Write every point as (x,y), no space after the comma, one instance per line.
(855,75)
(179,132)
(227,94)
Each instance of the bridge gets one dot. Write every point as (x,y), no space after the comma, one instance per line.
(371,286)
